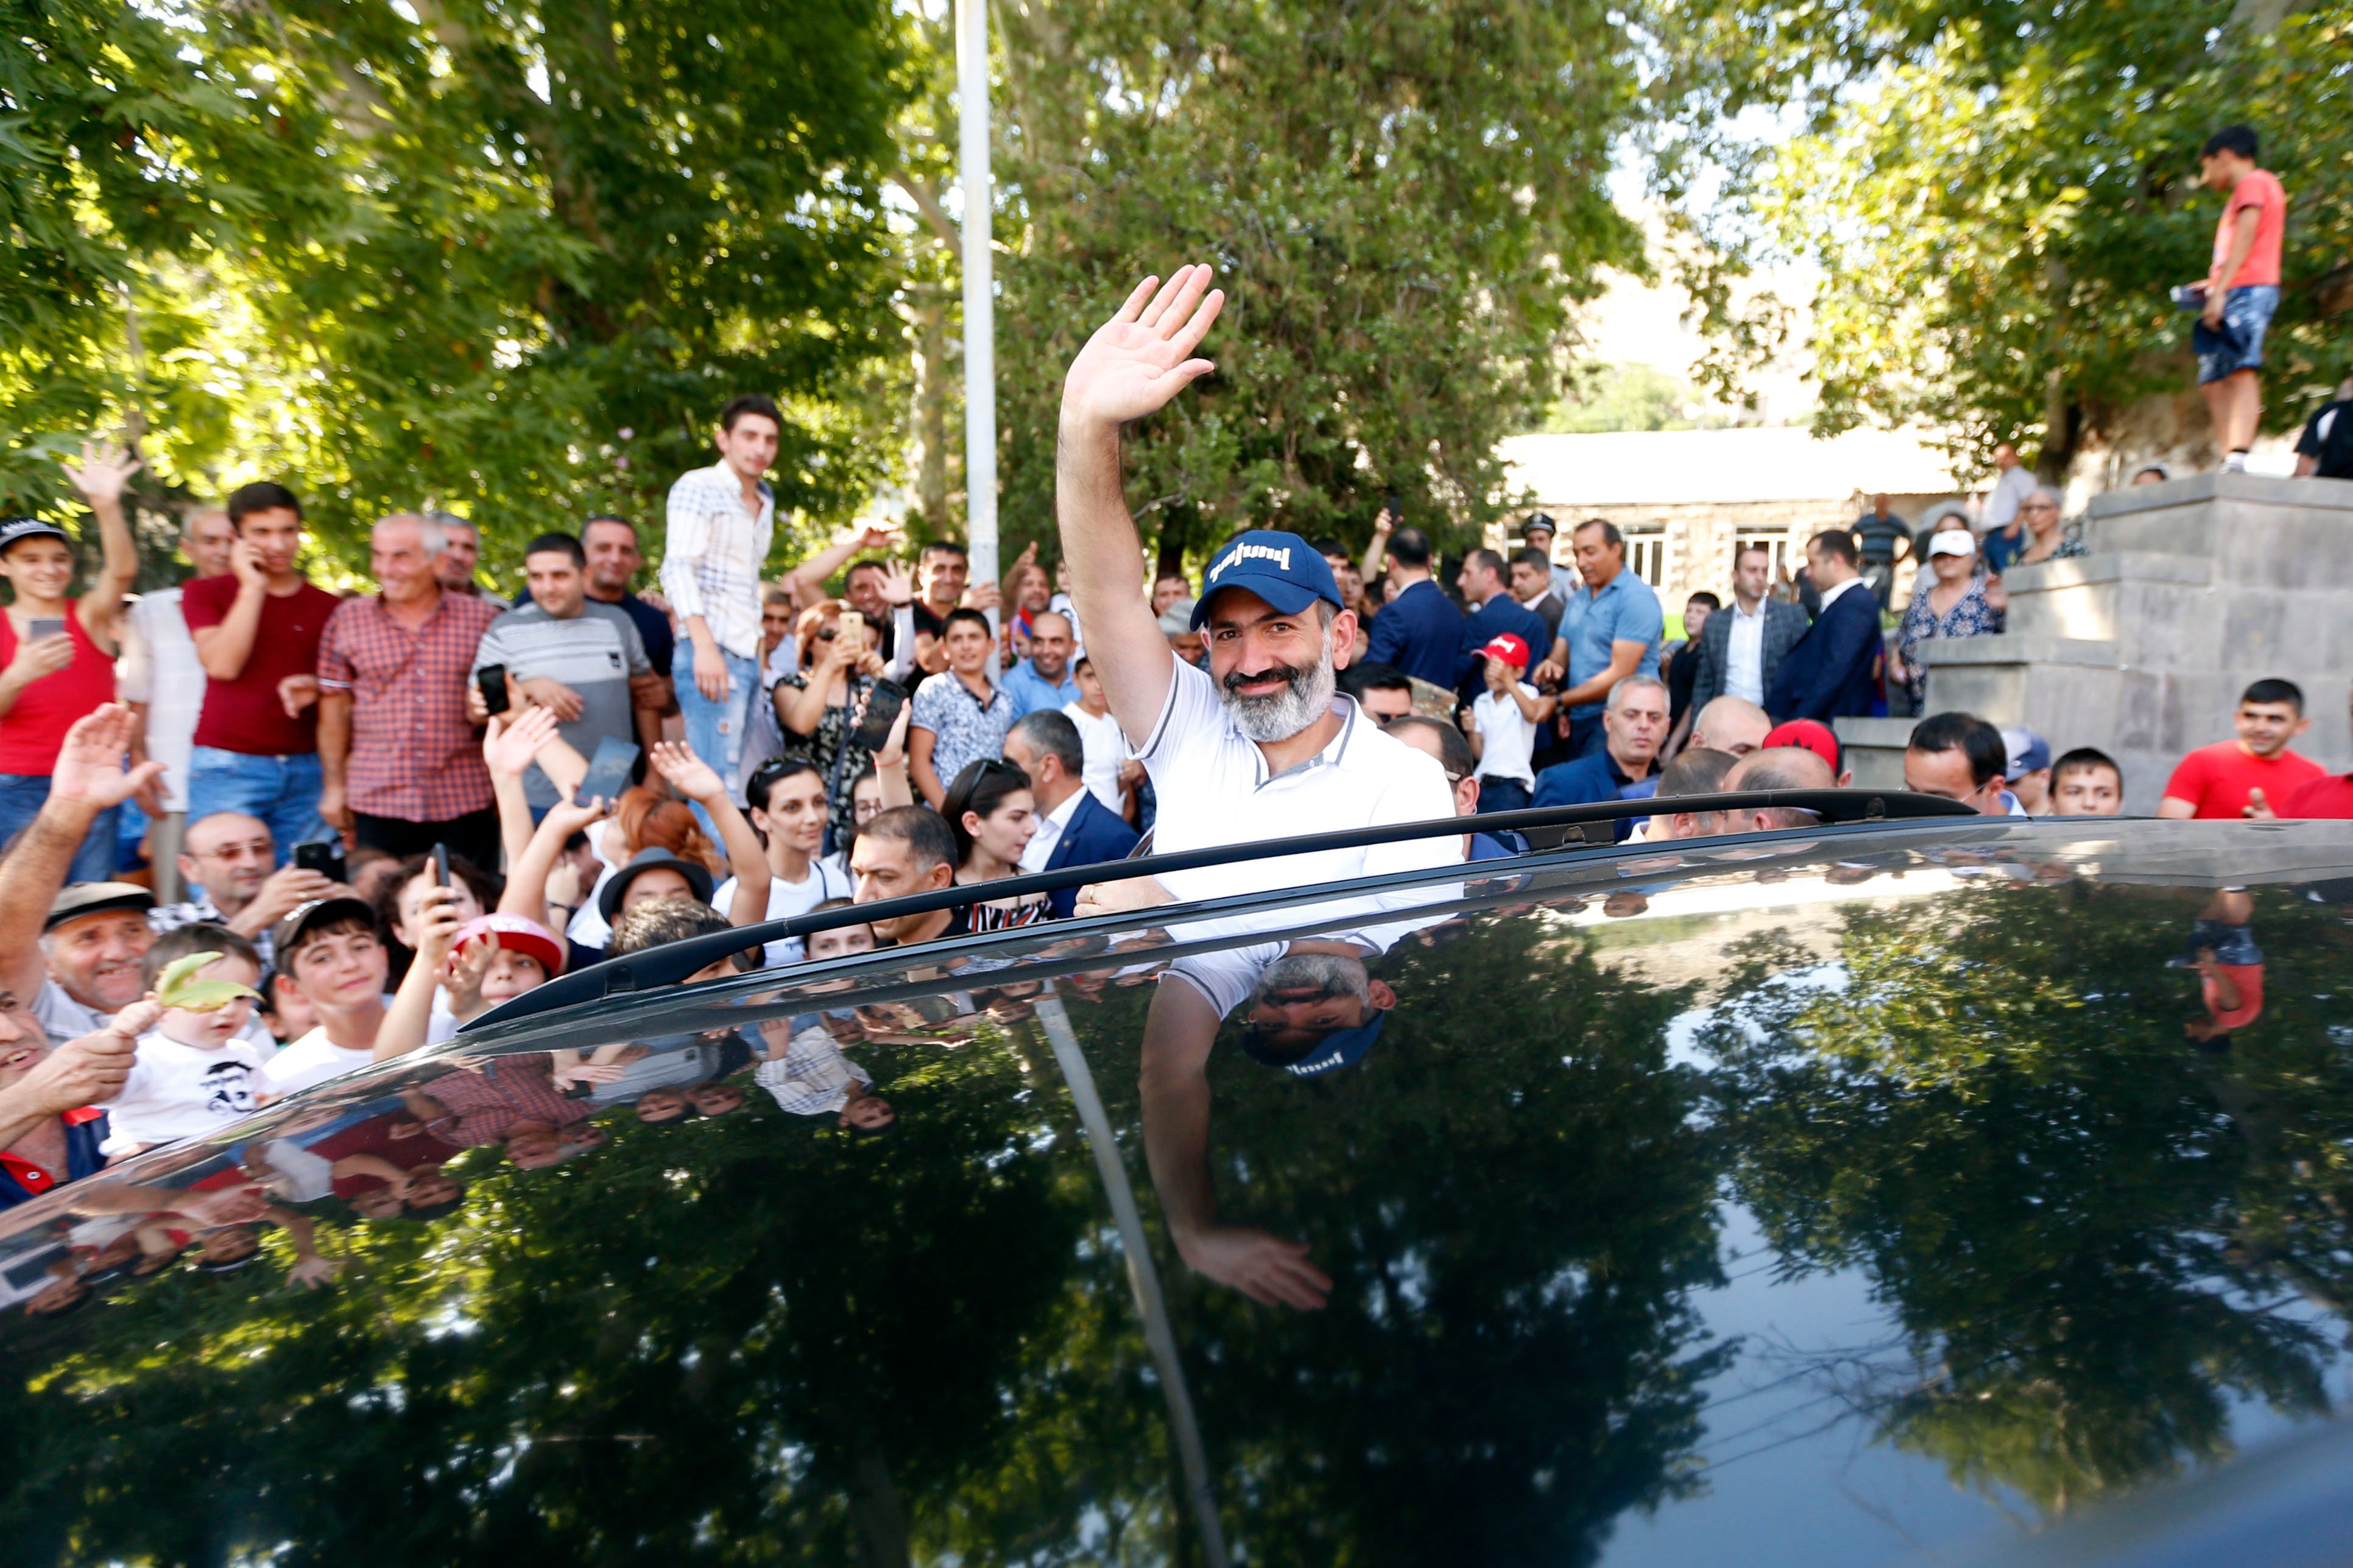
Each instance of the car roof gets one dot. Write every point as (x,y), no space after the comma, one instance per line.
(1814,1197)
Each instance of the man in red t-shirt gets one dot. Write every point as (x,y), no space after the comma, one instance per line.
(2240,288)
(2251,775)
(2330,795)
(257,633)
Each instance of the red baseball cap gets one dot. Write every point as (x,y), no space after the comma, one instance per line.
(1808,735)
(1512,650)
(521,934)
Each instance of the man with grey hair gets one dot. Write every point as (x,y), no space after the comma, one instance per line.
(402,764)
(163,681)
(1633,727)
(1074,828)
(461,549)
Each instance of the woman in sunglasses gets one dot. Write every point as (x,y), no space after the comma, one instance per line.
(993,814)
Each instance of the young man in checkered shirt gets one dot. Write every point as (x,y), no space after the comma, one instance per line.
(722,520)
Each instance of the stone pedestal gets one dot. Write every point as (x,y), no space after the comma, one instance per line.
(2192,590)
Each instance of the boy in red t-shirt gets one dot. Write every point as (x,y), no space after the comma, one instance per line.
(257,632)
(2240,288)
(2252,776)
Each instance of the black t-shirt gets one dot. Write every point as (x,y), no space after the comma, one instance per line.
(2328,436)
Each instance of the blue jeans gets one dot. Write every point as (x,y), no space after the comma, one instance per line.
(21,798)
(715,730)
(2238,344)
(281,792)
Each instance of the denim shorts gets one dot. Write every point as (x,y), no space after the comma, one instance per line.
(2238,344)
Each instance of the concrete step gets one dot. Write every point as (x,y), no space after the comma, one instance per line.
(1874,750)
(2015,648)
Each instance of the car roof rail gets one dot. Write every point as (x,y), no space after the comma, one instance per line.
(1556,827)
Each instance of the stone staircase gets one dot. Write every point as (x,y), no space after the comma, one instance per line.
(2193,589)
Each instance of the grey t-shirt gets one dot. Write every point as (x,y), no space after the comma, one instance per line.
(594,653)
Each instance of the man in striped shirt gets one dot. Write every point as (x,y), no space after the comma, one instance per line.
(570,655)
(722,520)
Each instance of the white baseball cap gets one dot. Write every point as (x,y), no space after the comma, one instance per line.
(1952,541)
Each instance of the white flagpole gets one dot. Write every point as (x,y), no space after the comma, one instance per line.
(979,297)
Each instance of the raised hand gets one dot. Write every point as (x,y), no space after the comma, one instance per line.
(512,740)
(1143,356)
(688,774)
(570,815)
(877,535)
(245,565)
(90,769)
(898,583)
(103,473)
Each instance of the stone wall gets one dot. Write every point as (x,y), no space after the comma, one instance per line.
(2193,589)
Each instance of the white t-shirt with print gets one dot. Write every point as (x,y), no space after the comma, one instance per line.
(178,1091)
(1507,737)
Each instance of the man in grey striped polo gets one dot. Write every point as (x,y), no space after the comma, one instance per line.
(570,654)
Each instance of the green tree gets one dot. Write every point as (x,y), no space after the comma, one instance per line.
(1403,206)
(1621,397)
(507,261)
(2001,196)
(2041,1175)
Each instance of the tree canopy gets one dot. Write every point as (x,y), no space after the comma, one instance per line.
(507,261)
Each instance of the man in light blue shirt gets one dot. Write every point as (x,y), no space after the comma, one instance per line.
(1613,628)
(1044,679)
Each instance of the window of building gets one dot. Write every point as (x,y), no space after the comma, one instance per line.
(1776,546)
(1646,553)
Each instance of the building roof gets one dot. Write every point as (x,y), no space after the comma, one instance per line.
(1667,467)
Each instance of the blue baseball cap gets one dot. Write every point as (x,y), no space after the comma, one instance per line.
(1281,568)
(1340,1048)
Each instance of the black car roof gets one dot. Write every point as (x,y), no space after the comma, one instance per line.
(1814,1197)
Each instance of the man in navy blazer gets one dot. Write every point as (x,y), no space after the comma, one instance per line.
(1418,630)
(1830,673)
(1486,586)
(1074,828)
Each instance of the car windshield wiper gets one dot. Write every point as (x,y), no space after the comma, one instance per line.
(1558,826)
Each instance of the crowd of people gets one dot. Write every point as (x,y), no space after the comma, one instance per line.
(262,834)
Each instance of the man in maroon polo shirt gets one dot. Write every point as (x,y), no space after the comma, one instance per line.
(256,631)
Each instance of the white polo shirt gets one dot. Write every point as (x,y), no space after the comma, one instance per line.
(1214,790)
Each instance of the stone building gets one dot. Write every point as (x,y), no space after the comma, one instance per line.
(1685,498)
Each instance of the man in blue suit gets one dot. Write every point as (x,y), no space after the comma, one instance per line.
(1487,588)
(1830,673)
(1418,630)
(1074,828)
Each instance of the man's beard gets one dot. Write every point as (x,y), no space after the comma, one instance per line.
(1305,698)
(1328,974)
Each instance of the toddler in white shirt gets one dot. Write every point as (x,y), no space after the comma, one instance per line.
(194,1073)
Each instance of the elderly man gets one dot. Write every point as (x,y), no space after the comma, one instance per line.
(163,681)
(1613,628)
(1043,681)
(1775,767)
(462,552)
(226,866)
(1633,727)
(1731,725)
(75,953)
(403,765)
